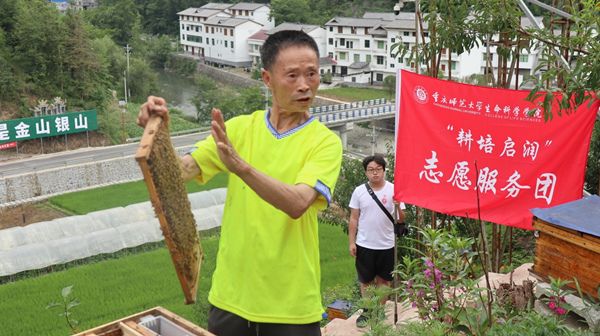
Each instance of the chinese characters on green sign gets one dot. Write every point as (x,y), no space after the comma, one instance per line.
(41,127)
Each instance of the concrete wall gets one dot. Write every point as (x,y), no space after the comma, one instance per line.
(33,187)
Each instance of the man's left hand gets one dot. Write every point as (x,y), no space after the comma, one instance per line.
(227,153)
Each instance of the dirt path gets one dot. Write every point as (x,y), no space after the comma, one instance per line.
(26,214)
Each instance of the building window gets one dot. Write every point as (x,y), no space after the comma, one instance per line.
(380,45)
(426,34)
(366,31)
(183,37)
(443,67)
(340,30)
(342,56)
(349,44)
(225,44)
(523,58)
(393,40)
(356,57)
(380,60)
(225,32)
(256,47)
(353,79)
(330,55)
(485,57)
(353,31)
(213,41)
(231,32)
(406,33)
(331,29)
(342,41)
(367,44)
(453,65)
(368,58)
(392,65)
(379,77)
(330,41)
(231,44)
(182,26)
(212,30)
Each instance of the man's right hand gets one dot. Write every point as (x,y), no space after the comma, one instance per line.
(154,105)
(353,250)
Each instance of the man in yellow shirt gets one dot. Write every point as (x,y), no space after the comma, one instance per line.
(283,165)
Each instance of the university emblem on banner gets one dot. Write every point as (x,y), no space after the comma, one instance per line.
(421,95)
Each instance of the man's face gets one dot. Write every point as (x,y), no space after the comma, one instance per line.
(374,172)
(294,79)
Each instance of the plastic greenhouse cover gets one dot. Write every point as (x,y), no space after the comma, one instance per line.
(66,239)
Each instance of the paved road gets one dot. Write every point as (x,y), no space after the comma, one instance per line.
(92,154)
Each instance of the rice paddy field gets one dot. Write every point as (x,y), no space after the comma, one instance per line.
(114,288)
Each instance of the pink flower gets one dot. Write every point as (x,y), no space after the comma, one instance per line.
(551,305)
(561,311)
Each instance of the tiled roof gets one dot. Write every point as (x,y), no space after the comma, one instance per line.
(227,22)
(247,6)
(218,6)
(199,12)
(293,26)
(259,35)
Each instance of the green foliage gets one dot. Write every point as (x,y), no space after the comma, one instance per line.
(295,11)
(121,287)
(592,171)
(352,174)
(66,305)
(389,84)
(141,81)
(158,51)
(117,18)
(231,102)
(438,282)
(182,66)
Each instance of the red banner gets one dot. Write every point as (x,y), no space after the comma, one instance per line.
(8,145)
(452,139)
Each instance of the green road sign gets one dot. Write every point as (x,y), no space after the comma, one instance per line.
(46,126)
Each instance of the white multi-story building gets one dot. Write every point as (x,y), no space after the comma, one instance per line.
(316,32)
(361,51)
(218,33)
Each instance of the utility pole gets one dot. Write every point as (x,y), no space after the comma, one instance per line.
(125,84)
(122,105)
(373,140)
(127,52)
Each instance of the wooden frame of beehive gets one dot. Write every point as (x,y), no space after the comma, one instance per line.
(161,167)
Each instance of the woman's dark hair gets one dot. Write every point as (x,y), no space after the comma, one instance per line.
(377,158)
(281,40)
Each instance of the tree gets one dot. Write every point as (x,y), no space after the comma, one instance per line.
(117,17)
(389,85)
(158,51)
(294,11)
(141,82)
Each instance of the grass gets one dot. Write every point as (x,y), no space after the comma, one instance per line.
(112,289)
(356,94)
(119,195)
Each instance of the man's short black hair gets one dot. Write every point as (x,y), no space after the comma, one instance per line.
(377,158)
(281,40)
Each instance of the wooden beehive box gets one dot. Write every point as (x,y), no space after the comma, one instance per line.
(568,243)
(338,309)
(139,324)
